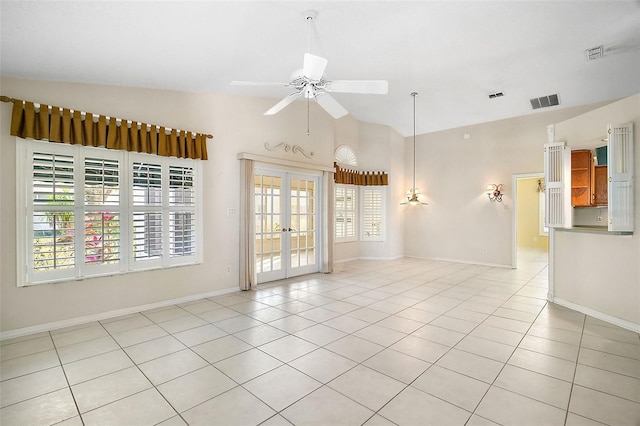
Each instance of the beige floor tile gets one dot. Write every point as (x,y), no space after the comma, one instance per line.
(170,366)
(420,348)
(73,421)
(367,314)
(24,338)
(218,314)
(195,388)
(403,325)
(219,349)
(165,314)
(199,306)
(455,388)
(292,323)
(27,347)
(80,335)
(378,420)
(612,333)
(320,334)
(281,387)
(276,420)
(87,349)
(550,347)
(379,335)
(249,306)
(260,335)
(199,335)
(235,324)
(547,332)
(146,407)
(417,315)
(346,324)
(608,382)
(505,407)
(610,362)
(615,347)
(439,335)
(387,307)
(354,348)
(476,420)
(397,365)
(312,410)
(182,323)
(486,348)
(237,407)
(471,365)
(455,324)
(507,323)
(126,323)
(173,421)
(323,365)
(99,365)
(288,348)
(414,407)
(603,407)
(31,385)
(46,409)
(139,335)
(28,364)
(247,365)
(269,314)
(367,387)
(319,314)
(544,364)
(341,307)
(576,420)
(146,351)
(543,388)
(499,335)
(104,390)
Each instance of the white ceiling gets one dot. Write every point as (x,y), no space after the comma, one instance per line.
(453,53)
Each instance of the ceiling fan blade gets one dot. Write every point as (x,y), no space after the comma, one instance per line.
(257,83)
(375,87)
(330,105)
(313,66)
(283,103)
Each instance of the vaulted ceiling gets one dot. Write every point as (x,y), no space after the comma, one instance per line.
(453,53)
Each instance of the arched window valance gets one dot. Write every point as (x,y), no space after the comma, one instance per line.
(363,178)
(64,125)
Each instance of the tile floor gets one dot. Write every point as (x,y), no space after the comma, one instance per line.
(407,342)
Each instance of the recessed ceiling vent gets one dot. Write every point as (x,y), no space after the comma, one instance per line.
(496,95)
(595,53)
(545,101)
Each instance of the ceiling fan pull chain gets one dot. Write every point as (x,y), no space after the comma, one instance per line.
(308,116)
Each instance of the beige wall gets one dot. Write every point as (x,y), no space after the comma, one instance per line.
(238,124)
(528,211)
(600,273)
(460,223)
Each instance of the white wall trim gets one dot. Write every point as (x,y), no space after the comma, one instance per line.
(599,315)
(468,262)
(351,259)
(4,335)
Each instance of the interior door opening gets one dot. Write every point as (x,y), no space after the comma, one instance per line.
(286,224)
(531,241)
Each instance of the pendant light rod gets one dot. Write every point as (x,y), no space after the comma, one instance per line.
(414,94)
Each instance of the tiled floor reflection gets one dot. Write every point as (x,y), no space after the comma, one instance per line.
(407,342)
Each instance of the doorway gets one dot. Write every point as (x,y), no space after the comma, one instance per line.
(530,236)
(286,221)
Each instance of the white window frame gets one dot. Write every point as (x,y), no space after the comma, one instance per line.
(346,212)
(365,212)
(25,208)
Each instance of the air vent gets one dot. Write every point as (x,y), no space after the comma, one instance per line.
(545,101)
(595,53)
(496,95)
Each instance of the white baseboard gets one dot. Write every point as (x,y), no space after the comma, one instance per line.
(599,315)
(468,262)
(351,259)
(4,335)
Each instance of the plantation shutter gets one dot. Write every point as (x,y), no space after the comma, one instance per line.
(372,214)
(620,169)
(557,173)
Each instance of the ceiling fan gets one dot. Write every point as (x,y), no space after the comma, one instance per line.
(309,82)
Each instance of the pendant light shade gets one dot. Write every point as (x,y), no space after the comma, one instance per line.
(413,195)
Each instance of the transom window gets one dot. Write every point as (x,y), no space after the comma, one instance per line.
(92,211)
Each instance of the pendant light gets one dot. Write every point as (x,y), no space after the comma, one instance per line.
(412,194)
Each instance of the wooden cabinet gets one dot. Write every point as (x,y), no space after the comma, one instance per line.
(601,183)
(582,175)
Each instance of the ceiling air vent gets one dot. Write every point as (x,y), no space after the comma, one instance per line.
(545,101)
(496,95)
(595,53)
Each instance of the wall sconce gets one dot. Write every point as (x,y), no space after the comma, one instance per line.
(494,192)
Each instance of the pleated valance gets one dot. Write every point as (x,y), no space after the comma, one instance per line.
(64,125)
(363,178)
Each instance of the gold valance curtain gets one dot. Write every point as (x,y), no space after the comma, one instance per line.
(363,178)
(64,125)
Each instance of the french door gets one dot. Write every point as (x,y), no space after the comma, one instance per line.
(286,224)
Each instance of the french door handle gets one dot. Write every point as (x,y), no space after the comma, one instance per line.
(290,230)
(284,229)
